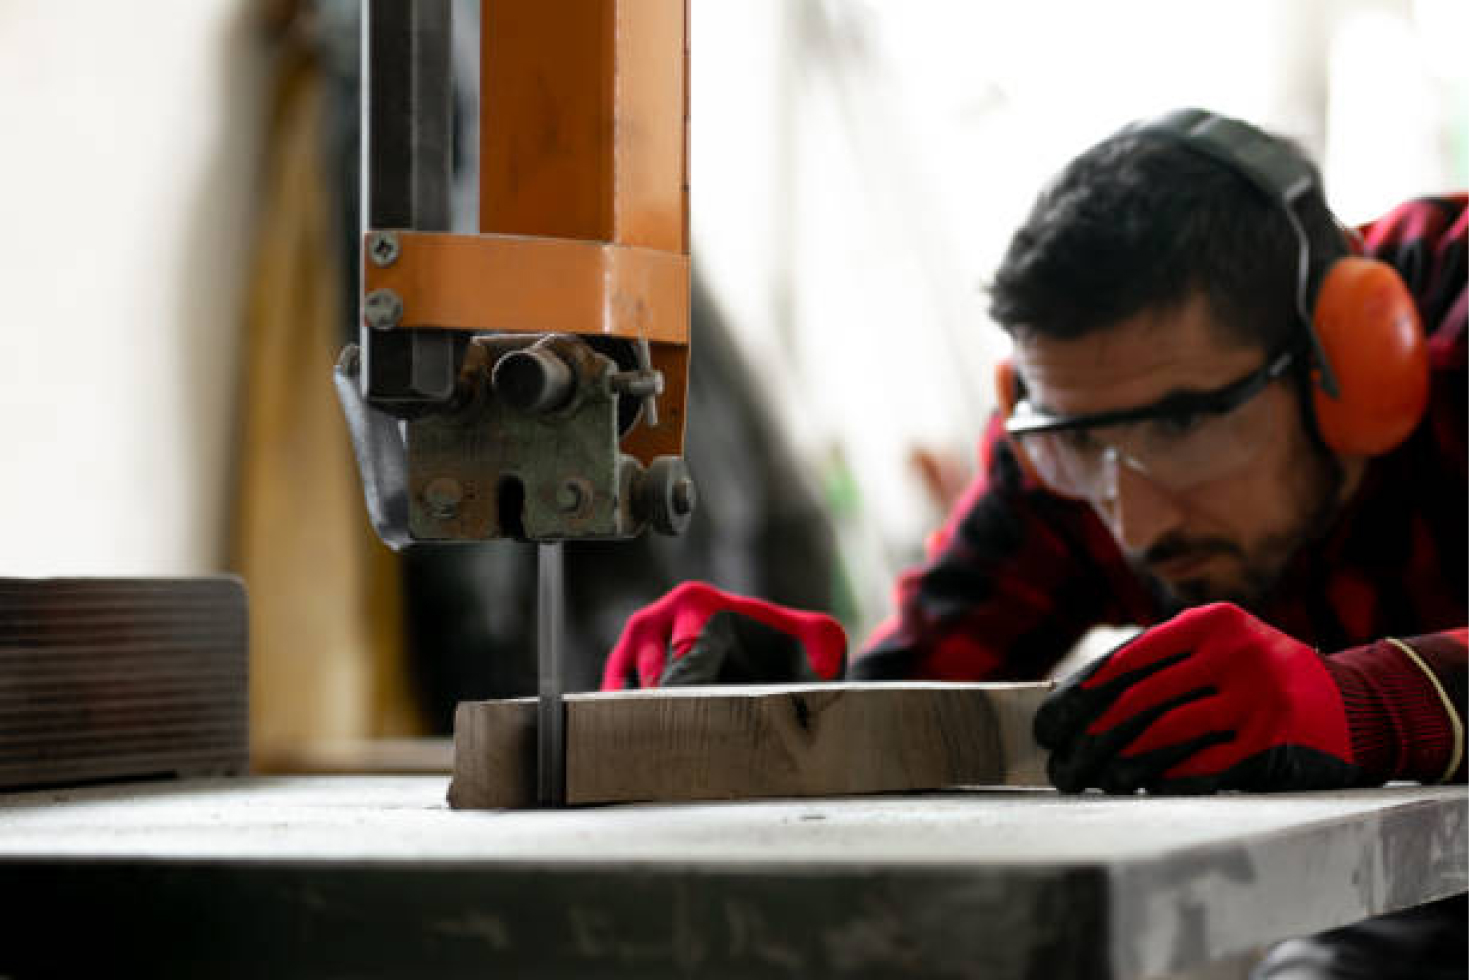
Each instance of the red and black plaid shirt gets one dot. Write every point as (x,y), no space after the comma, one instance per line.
(1016,575)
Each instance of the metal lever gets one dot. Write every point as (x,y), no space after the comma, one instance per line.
(382,457)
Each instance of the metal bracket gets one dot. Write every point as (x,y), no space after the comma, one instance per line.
(529,459)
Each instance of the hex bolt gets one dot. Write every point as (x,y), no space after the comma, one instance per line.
(665,495)
(442,497)
(572,494)
(383,247)
(685,497)
(382,309)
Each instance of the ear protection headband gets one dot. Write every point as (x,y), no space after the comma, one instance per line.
(1369,356)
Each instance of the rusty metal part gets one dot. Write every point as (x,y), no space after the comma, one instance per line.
(488,470)
(535,459)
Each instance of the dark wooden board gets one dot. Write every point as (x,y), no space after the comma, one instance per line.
(739,742)
(115,678)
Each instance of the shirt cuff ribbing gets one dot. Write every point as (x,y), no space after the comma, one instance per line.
(1402,725)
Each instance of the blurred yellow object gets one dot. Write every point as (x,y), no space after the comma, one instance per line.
(327,655)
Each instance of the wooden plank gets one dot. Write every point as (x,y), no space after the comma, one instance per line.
(740,742)
(114,678)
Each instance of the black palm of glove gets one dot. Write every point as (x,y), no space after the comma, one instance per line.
(698,634)
(1212,699)
(735,649)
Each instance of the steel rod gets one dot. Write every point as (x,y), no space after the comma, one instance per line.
(551,711)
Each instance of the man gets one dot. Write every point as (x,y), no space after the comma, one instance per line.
(1189,445)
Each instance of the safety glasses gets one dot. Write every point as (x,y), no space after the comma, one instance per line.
(1180,441)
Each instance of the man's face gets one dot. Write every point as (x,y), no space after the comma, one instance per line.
(1229,536)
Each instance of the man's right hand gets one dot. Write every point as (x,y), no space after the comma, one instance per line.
(697,634)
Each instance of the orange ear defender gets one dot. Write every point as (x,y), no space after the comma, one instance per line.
(1369,352)
(1007,393)
(1368,328)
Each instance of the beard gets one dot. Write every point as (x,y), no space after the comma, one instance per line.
(1316,497)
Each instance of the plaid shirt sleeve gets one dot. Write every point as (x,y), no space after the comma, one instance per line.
(1013,578)
(1405,699)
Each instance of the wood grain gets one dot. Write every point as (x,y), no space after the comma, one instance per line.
(742,742)
(111,678)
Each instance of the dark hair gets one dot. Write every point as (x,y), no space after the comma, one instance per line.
(1140,221)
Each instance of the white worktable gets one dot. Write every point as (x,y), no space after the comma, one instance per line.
(350,876)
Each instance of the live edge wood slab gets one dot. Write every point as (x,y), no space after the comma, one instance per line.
(741,742)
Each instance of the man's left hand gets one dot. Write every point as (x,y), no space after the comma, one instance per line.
(1212,699)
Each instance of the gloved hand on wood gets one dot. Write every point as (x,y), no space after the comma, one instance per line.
(1212,699)
(698,634)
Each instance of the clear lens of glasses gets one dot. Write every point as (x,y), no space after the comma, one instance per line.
(1177,452)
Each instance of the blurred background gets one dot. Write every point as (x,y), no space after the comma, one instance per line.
(179,212)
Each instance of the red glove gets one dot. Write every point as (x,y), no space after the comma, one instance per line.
(1212,699)
(732,638)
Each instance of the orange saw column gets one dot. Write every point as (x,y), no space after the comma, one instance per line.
(584,135)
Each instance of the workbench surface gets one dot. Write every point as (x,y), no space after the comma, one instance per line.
(354,875)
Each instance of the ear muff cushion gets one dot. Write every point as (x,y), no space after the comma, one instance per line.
(1369,330)
(1007,393)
